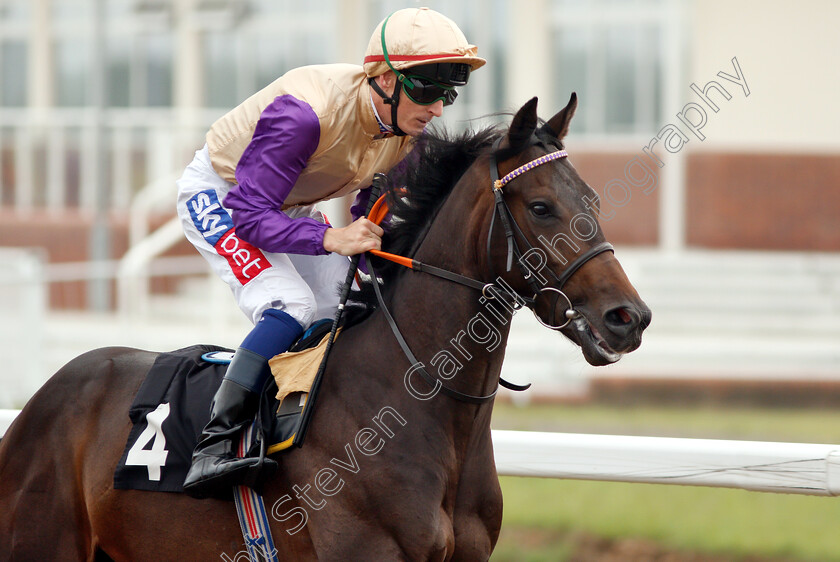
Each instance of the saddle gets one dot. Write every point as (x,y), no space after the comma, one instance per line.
(287,393)
(171,409)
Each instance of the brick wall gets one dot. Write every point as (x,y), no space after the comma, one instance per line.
(734,201)
(636,222)
(763,201)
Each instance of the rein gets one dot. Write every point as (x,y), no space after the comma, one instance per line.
(490,290)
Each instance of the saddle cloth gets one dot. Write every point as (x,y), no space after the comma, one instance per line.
(172,407)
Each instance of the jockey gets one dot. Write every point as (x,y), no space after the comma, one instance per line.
(247,200)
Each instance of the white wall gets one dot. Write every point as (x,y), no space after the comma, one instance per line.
(789,53)
(22,307)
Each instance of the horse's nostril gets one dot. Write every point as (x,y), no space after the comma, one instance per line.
(622,320)
(624,316)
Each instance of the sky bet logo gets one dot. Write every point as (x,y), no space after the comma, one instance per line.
(215,224)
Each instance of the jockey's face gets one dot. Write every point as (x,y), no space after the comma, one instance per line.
(412,118)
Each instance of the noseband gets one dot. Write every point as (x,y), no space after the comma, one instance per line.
(491,291)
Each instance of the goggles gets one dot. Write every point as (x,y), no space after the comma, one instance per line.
(424,91)
(425,85)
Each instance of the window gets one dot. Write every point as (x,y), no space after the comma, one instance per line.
(264,41)
(13,73)
(157,70)
(220,70)
(119,71)
(14,12)
(612,54)
(138,52)
(140,49)
(72,71)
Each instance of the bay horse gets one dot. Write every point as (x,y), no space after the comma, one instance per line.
(392,469)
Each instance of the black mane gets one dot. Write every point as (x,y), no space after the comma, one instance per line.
(417,188)
(428,176)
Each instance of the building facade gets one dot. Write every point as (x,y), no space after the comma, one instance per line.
(702,124)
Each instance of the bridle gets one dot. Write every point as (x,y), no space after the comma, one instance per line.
(512,230)
(489,291)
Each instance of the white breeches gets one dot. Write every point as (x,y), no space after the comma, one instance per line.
(304,287)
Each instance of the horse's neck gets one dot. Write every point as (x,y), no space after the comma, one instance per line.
(457,335)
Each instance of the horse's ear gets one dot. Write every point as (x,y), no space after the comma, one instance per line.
(523,125)
(559,124)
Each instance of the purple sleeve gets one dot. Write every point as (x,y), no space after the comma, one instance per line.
(285,137)
(360,204)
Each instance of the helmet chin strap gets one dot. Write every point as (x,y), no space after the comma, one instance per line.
(393,101)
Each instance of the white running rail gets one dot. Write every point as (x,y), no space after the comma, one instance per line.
(794,468)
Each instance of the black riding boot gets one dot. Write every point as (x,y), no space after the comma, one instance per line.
(215,468)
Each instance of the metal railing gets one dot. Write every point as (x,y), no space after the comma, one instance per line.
(51,159)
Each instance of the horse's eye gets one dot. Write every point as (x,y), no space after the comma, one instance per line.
(540,209)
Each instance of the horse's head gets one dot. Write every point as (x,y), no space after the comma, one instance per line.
(553,247)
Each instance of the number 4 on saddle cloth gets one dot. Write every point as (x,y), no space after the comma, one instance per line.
(172,407)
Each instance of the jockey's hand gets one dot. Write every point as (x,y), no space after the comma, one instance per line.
(356,238)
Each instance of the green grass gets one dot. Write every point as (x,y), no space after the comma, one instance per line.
(544,517)
(677,517)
